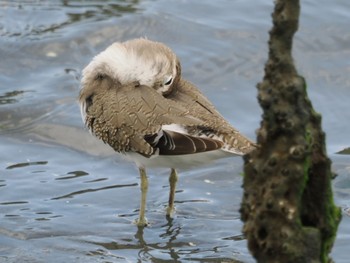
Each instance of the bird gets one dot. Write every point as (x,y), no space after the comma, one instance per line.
(133,98)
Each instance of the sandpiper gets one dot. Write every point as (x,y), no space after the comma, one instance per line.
(134,99)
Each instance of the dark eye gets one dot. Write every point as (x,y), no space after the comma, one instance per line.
(168,82)
(88,101)
(100,76)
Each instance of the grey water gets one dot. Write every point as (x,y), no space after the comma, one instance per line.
(66,197)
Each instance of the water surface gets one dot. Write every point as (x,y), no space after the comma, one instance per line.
(66,197)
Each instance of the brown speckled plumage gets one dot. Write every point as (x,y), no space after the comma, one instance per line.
(134,99)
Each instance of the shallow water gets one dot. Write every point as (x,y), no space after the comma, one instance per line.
(67,197)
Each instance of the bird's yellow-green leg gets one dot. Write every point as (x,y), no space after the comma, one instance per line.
(172,182)
(142,221)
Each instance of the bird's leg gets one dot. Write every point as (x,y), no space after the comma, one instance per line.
(172,182)
(142,221)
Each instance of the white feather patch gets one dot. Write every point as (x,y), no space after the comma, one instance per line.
(175,128)
(178,161)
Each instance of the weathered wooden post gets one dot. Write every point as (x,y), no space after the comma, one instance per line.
(287,207)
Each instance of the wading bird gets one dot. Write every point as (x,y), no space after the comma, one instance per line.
(134,99)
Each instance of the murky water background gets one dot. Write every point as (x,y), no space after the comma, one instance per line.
(65,197)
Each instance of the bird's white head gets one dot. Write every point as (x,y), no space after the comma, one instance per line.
(136,61)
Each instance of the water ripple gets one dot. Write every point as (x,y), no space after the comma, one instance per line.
(72,175)
(21,165)
(71,195)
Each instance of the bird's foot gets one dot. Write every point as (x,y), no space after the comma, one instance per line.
(141,222)
(170,212)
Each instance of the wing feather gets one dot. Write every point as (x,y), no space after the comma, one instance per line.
(122,117)
(175,143)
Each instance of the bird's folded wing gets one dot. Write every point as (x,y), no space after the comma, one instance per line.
(130,113)
(198,105)
(175,143)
